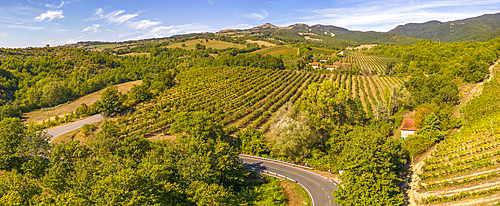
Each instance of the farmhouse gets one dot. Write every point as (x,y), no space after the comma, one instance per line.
(315,65)
(408,127)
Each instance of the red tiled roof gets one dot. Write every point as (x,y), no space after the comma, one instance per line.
(315,63)
(409,124)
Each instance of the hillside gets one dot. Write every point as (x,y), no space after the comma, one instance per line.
(481,28)
(464,169)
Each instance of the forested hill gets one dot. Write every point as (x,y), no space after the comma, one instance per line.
(328,33)
(481,28)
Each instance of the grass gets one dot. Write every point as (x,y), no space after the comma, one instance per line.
(45,113)
(134,54)
(214,44)
(269,49)
(77,135)
(297,196)
(260,43)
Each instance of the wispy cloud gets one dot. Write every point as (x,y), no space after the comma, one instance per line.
(164,31)
(211,1)
(114,17)
(50,15)
(383,16)
(143,24)
(257,16)
(25,27)
(52,6)
(92,28)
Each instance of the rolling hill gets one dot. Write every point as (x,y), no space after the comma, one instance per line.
(481,28)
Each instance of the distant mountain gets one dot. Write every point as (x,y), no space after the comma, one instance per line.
(481,28)
(337,36)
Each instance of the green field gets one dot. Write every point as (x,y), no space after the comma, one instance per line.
(214,44)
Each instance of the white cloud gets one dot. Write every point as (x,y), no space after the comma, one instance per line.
(164,31)
(92,28)
(114,17)
(25,27)
(211,1)
(143,24)
(239,26)
(50,15)
(52,6)
(257,16)
(383,16)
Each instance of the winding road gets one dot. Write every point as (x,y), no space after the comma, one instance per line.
(319,188)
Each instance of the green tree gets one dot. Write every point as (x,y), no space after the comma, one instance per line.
(328,107)
(370,164)
(110,102)
(251,141)
(139,93)
(54,92)
(11,138)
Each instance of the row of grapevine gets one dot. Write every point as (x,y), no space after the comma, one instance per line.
(371,64)
(466,165)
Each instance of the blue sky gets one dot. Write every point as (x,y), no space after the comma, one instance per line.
(36,23)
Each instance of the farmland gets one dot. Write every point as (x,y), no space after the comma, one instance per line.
(241,102)
(464,169)
(214,44)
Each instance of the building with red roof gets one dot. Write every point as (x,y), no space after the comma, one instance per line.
(408,127)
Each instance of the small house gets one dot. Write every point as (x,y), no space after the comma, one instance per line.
(408,128)
(315,65)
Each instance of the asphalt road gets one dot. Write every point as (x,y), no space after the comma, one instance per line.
(318,186)
(73,126)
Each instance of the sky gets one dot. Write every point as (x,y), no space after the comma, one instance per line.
(36,23)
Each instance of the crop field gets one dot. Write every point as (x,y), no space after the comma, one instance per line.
(240,97)
(372,64)
(276,50)
(214,44)
(465,168)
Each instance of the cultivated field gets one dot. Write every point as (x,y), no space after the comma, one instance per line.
(214,44)
(241,97)
(370,64)
(465,168)
(260,43)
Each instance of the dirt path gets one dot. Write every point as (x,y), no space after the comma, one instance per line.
(416,168)
(472,90)
(353,86)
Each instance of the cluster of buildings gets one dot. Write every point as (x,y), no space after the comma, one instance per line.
(318,65)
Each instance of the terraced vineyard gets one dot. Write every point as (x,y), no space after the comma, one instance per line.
(465,168)
(373,64)
(240,97)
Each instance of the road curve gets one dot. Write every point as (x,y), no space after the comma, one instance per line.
(73,126)
(319,187)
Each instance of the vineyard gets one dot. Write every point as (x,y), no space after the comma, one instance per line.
(371,64)
(465,168)
(243,97)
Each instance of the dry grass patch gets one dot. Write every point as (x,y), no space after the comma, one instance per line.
(260,43)
(134,54)
(39,115)
(77,135)
(214,44)
(296,195)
